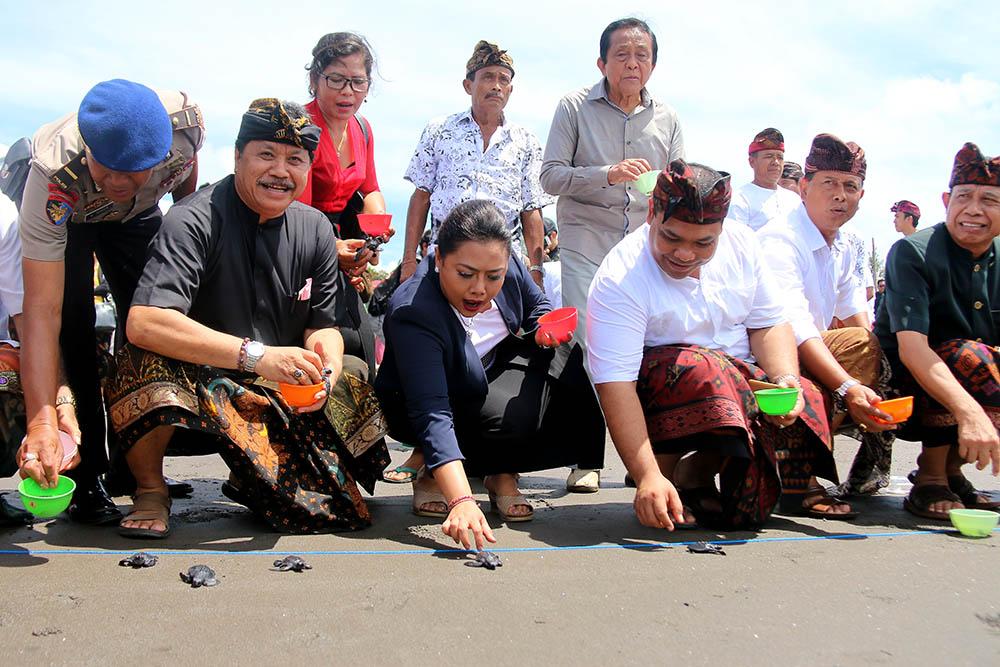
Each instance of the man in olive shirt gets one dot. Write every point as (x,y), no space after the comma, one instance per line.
(938,327)
(93,187)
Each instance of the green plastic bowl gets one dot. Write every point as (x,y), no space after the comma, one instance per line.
(974,523)
(777,401)
(46,503)
(646,182)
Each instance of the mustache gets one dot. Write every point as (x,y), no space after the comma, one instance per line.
(279,183)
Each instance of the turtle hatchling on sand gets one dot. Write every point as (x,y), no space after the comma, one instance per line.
(139,560)
(293,563)
(705,548)
(486,559)
(199,575)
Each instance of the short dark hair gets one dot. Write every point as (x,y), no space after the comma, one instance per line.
(294,111)
(622,24)
(476,220)
(334,46)
(914,218)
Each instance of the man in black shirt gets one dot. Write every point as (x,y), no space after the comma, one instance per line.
(241,282)
(938,325)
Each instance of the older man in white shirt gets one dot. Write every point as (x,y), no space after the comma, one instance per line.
(815,265)
(682,313)
(761,200)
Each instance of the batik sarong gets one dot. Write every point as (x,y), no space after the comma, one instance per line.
(686,390)
(975,366)
(299,472)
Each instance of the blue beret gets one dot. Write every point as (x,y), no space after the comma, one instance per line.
(125,125)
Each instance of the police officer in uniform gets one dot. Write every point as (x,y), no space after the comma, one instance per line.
(95,181)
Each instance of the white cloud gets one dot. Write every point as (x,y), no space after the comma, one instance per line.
(909,81)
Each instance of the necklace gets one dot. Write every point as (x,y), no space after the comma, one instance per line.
(466,322)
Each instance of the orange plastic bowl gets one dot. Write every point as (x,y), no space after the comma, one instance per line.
(899,409)
(300,395)
(559,323)
(375,224)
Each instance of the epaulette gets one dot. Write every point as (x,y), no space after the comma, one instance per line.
(66,176)
(187,118)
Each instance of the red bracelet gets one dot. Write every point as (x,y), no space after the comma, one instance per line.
(459,501)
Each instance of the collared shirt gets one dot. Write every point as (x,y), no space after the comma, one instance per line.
(214,262)
(634,304)
(818,281)
(755,206)
(589,135)
(937,288)
(450,163)
(60,190)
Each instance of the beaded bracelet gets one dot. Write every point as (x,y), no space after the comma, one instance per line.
(459,501)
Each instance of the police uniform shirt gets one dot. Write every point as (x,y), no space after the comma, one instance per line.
(60,190)
(213,261)
(937,288)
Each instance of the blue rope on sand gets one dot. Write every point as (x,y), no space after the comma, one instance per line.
(434,552)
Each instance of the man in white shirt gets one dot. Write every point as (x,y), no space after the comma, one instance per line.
(680,315)
(760,201)
(815,265)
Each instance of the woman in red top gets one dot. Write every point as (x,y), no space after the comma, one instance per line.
(342,181)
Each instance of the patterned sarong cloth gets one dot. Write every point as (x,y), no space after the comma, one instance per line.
(299,472)
(12,421)
(686,389)
(976,366)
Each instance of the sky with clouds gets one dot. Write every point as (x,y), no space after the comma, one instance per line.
(908,80)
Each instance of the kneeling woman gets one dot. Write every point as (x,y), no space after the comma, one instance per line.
(469,379)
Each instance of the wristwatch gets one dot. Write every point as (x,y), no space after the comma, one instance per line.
(537,267)
(253,350)
(840,393)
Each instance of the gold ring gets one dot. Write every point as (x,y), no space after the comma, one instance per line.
(863,427)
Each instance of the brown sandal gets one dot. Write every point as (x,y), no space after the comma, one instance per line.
(149,506)
(923,496)
(804,504)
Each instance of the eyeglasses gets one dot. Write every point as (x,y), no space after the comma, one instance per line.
(359,84)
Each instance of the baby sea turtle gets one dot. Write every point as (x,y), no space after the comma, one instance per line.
(486,559)
(139,560)
(293,563)
(705,548)
(199,575)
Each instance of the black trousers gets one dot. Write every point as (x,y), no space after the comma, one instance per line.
(121,250)
(531,418)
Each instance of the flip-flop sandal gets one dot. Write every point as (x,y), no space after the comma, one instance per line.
(922,497)
(794,504)
(503,505)
(149,506)
(422,497)
(969,495)
(411,472)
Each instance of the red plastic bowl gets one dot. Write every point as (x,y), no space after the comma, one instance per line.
(559,323)
(375,224)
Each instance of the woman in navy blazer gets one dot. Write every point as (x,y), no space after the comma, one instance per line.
(469,379)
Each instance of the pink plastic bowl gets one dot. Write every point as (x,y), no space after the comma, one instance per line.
(559,323)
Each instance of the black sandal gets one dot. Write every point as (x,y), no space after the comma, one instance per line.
(795,504)
(922,497)
(969,495)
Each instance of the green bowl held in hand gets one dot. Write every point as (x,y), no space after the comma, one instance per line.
(46,503)
(647,181)
(777,402)
(974,523)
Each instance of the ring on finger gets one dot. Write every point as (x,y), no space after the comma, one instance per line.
(30,456)
(297,373)
(863,427)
